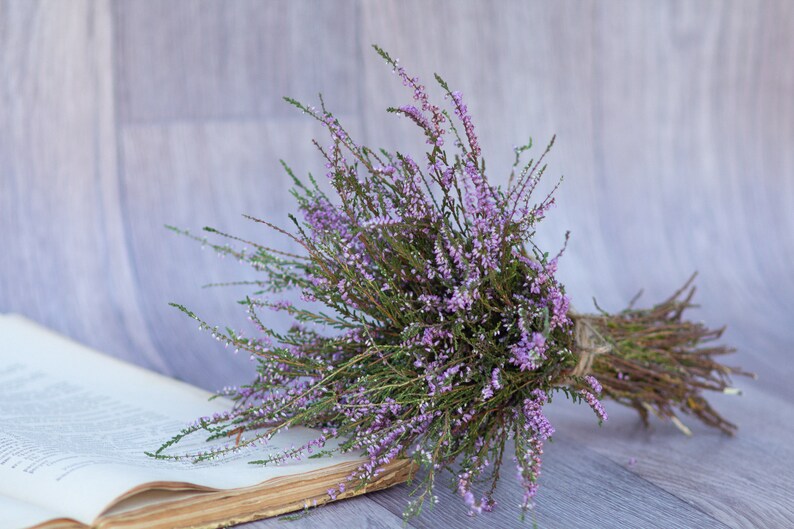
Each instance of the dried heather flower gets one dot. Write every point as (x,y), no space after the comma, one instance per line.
(445,329)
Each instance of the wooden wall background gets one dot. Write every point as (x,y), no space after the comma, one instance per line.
(675,124)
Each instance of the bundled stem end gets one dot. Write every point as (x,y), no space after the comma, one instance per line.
(656,361)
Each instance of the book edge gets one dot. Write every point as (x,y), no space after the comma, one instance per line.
(276,496)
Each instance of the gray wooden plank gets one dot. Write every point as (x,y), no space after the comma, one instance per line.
(743,481)
(59,217)
(212,60)
(580,488)
(228,169)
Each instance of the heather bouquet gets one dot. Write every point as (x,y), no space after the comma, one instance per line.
(432,327)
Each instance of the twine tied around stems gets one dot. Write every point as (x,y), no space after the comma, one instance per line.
(589,344)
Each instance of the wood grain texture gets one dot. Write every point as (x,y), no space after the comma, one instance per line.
(675,133)
(228,54)
(63,260)
(230,168)
(581,488)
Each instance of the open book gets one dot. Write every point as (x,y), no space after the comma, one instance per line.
(74,425)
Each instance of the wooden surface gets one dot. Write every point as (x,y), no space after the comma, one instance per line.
(675,124)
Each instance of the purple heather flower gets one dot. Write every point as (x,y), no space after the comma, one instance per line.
(536,421)
(420,95)
(380,221)
(462,112)
(461,300)
(281,305)
(468,498)
(528,351)
(595,404)
(495,382)
(593,382)
(426,277)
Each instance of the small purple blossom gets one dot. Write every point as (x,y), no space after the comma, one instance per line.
(495,381)
(463,113)
(536,421)
(529,351)
(596,405)
(593,381)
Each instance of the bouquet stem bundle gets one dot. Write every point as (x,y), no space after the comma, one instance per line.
(656,361)
(443,329)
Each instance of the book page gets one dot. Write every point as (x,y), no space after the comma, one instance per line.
(16,513)
(74,425)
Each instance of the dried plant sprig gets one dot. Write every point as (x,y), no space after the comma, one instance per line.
(444,330)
